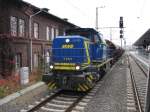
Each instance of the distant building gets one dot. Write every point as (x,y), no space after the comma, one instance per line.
(15,42)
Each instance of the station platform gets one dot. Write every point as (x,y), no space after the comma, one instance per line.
(143,58)
(111,95)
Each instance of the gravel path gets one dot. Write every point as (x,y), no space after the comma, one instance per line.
(111,96)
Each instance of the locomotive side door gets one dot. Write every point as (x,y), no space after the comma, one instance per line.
(97,48)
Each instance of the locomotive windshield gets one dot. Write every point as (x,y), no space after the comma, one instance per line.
(81,33)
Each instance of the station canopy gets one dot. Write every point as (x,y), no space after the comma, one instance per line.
(144,40)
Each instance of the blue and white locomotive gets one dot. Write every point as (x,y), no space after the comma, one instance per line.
(78,60)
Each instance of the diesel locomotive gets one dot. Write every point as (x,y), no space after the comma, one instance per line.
(78,60)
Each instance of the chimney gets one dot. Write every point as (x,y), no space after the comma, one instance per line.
(45,9)
(65,19)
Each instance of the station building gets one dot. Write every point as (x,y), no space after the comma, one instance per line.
(16,43)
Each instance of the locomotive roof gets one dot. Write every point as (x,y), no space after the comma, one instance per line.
(72,36)
(83,29)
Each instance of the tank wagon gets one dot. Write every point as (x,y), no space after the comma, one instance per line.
(78,60)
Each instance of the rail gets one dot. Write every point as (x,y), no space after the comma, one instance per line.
(71,101)
(147,74)
(135,88)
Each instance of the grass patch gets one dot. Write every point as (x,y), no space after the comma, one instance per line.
(9,86)
(12,83)
(2,92)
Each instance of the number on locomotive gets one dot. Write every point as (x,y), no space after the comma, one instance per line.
(68,46)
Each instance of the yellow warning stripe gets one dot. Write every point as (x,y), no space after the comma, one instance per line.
(89,79)
(87,52)
(64,68)
(66,64)
(89,85)
(90,76)
(50,83)
(85,86)
(50,86)
(82,88)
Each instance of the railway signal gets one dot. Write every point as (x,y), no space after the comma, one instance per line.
(121,22)
(121,28)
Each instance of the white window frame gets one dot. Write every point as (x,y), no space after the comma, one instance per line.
(48,34)
(18,60)
(13,26)
(57,32)
(52,33)
(21,28)
(36,30)
(47,57)
(64,33)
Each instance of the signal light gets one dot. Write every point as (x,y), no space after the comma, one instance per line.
(121,22)
(121,36)
(121,31)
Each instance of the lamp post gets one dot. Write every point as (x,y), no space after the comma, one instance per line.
(30,34)
(97,16)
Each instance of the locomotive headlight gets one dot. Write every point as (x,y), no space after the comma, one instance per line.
(67,40)
(77,67)
(51,66)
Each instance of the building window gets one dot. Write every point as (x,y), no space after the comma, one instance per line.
(13,26)
(52,33)
(64,32)
(36,60)
(47,57)
(36,30)
(18,59)
(21,28)
(56,32)
(48,34)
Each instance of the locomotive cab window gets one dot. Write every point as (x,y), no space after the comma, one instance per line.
(102,39)
(97,39)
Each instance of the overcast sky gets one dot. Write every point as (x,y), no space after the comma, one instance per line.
(82,13)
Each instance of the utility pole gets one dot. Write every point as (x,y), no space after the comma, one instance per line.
(110,34)
(96,18)
(96,25)
(30,34)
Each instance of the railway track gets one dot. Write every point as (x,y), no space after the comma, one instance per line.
(136,86)
(62,101)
